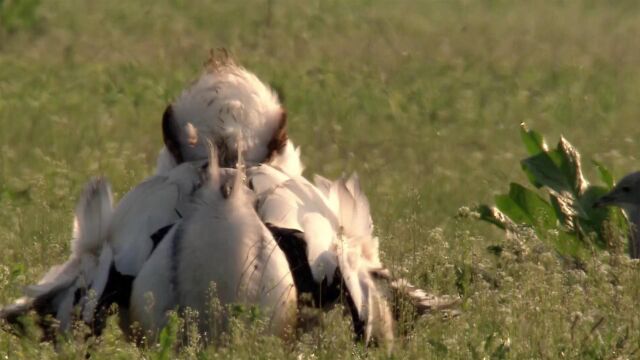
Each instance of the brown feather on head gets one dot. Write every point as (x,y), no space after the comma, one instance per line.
(279,140)
(171,134)
(218,58)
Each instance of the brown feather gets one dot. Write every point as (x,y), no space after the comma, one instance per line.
(171,134)
(279,140)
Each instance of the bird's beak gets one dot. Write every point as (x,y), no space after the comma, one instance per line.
(605,200)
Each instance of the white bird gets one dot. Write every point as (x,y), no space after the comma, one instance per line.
(224,243)
(323,231)
(228,102)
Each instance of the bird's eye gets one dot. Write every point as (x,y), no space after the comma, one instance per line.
(626,189)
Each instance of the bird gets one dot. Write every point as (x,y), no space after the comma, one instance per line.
(626,195)
(223,242)
(228,102)
(321,230)
(218,108)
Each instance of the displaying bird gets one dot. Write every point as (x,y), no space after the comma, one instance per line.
(280,243)
(224,244)
(226,103)
(626,195)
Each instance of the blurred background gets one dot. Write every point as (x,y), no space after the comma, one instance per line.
(423,99)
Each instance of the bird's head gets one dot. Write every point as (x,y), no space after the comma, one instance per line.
(626,193)
(226,103)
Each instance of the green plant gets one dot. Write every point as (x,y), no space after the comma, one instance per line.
(168,338)
(568,218)
(18,14)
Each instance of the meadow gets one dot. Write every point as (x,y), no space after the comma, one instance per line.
(423,99)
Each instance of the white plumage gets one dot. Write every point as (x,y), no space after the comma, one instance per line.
(224,104)
(212,235)
(228,103)
(157,202)
(337,226)
(224,243)
(153,293)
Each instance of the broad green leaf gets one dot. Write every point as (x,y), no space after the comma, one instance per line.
(605,175)
(539,211)
(543,171)
(558,170)
(509,207)
(568,245)
(533,141)
(570,208)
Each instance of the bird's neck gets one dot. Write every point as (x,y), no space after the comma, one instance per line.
(633,213)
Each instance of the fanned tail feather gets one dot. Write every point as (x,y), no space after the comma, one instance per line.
(352,205)
(93,214)
(358,254)
(66,286)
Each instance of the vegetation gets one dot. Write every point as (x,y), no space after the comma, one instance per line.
(18,14)
(569,219)
(423,99)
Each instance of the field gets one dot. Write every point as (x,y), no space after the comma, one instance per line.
(423,99)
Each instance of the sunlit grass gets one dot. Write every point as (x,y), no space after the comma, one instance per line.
(423,100)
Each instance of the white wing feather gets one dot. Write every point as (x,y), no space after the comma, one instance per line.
(150,206)
(81,271)
(336,221)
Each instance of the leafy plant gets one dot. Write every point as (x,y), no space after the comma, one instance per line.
(568,218)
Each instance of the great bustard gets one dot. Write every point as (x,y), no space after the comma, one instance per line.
(329,246)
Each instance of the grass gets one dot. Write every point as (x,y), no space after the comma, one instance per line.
(424,100)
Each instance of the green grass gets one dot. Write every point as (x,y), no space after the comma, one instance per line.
(424,100)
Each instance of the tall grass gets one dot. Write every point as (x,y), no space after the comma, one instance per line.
(423,99)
